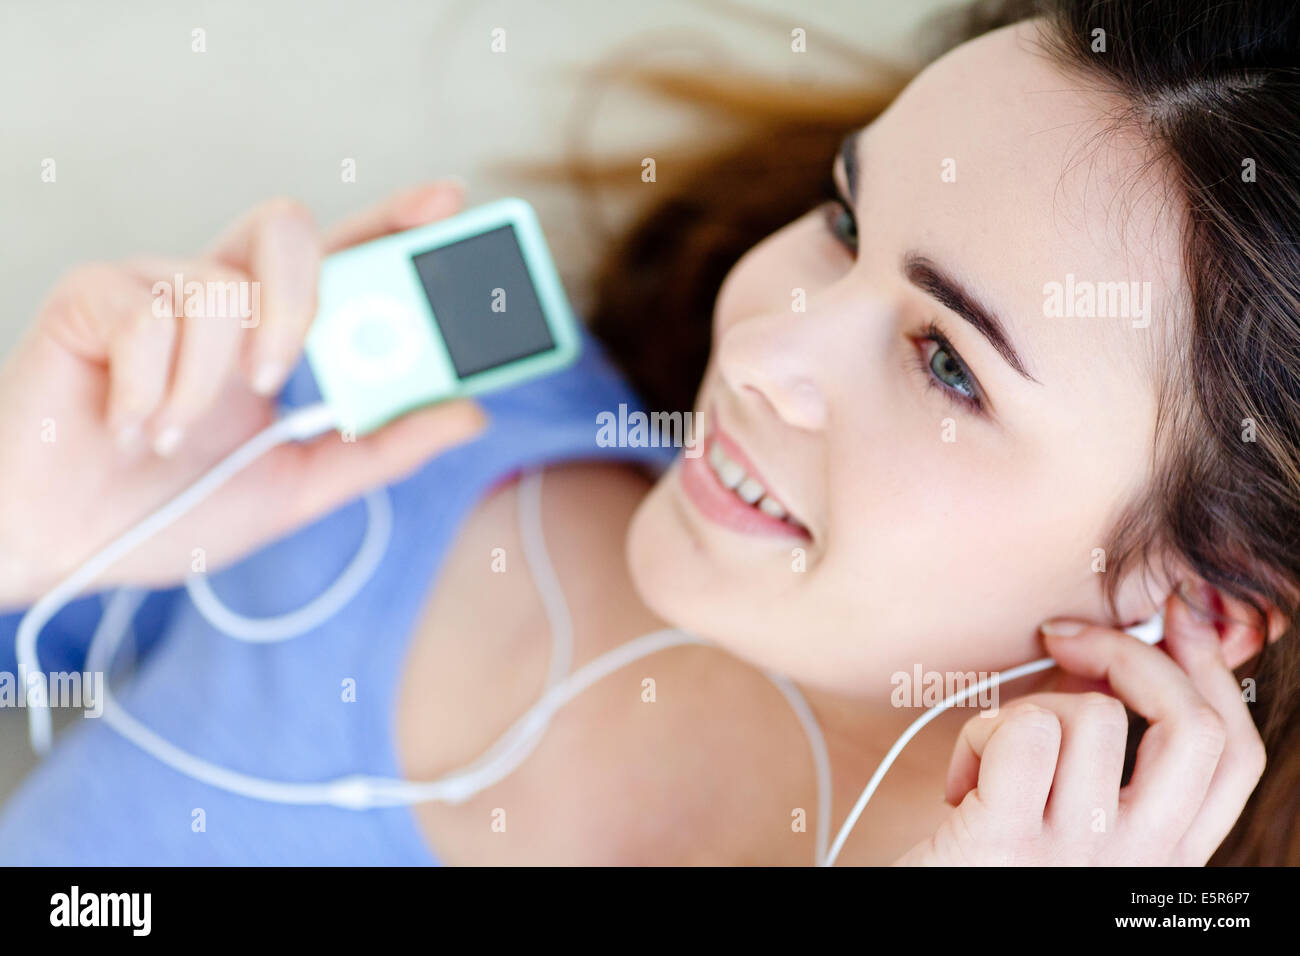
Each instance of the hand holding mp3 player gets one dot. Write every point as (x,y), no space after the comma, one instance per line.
(448,309)
(127,406)
(459,307)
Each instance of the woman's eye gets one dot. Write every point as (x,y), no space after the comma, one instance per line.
(949,371)
(842,224)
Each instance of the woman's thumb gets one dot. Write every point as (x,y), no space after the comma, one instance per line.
(331,470)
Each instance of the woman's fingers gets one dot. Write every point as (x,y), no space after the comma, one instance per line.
(140,366)
(1089,767)
(406,210)
(1193,642)
(1181,748)
(277,246)
(173,333)
(105,314)
(325,473)
(1010,760)
(1047,768)
(1085,796)
(205,343)
(111,314)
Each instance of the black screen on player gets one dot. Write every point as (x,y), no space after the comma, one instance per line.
(484,301)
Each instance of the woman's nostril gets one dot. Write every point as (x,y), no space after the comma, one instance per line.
(797,403)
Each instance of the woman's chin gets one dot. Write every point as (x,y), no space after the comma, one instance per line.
(669,566)
(678,575)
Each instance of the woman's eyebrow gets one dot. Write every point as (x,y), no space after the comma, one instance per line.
(923,273)
(948,292)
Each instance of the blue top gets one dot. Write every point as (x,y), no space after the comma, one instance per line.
(277,710)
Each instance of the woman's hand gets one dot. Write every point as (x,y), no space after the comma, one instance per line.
(1039,784)
(111,408)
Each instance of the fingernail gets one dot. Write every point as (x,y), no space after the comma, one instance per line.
(168,441)
(1061,628)
(267,378)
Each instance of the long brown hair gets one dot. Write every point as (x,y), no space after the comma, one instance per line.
(1211,84)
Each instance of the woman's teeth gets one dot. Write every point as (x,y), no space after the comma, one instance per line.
(747,489)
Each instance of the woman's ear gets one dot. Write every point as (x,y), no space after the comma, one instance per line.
(1277,624)
(1242,634)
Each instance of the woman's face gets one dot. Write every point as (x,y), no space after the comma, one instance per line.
(892,374)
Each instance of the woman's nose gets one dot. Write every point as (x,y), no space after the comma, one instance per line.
(774,360)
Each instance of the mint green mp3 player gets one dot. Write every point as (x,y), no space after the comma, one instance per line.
(466,305)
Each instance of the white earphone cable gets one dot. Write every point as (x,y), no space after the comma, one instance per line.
(282,627)
(544,576)
(362,791)
(912,730)
(298,425)
(821,759)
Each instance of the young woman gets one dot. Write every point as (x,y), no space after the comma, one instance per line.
(912,461)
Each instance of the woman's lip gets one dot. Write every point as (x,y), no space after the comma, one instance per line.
(737,454)
(717,503)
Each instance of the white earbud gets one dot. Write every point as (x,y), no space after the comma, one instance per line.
(1150,631)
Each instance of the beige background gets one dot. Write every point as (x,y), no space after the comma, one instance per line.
(157,147)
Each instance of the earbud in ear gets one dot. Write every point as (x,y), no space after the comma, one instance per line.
(1150,631)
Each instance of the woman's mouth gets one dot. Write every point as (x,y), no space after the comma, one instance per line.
(728,490)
